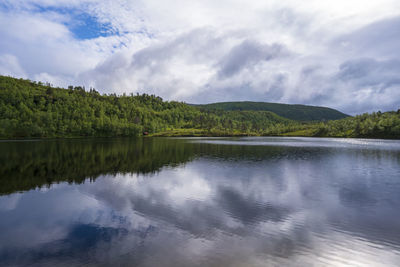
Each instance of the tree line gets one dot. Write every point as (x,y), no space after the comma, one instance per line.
(31,109)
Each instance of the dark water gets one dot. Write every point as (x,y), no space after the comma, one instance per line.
(200,202)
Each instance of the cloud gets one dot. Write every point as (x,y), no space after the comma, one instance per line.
(9,65)
(380,38)
(41,45)
(377,82)
(275,51)
(370,72)
(247,55)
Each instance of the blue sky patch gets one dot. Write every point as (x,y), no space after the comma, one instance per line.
(88,27)
(83,25)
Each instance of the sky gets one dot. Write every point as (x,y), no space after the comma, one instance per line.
(343,54)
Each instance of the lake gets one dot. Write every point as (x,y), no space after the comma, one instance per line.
(254,201)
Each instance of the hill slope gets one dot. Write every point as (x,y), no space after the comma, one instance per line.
(293,112)
(32,109)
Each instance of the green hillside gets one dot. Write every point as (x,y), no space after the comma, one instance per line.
(385,125)
(294,112)
(35,110)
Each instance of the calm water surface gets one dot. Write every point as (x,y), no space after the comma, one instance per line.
(200,202)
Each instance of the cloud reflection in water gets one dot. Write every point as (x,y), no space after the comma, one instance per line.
(300,206)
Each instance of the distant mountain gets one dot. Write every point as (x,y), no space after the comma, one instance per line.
(293,112)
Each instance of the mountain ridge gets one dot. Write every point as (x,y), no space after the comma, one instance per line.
(298,112)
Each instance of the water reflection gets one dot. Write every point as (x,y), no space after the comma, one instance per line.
(180,202)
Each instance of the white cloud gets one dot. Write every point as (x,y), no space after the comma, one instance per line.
(9,65)
(209,51)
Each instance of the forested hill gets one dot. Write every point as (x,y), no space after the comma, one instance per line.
(294,112)
(33,109)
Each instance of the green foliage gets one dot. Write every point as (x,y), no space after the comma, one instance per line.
(376,124)
(29,109)
(294,112)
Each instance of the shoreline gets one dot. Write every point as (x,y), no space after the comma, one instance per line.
(167,135)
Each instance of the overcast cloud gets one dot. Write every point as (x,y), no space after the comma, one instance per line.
(342,54)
